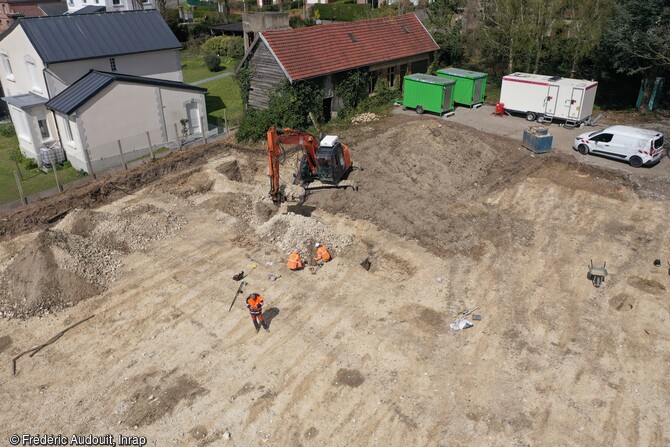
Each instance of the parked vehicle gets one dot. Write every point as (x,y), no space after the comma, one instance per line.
(636,146)
(426,93)
(547,98)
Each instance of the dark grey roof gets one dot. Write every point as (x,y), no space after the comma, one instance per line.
(230,27)
(25,101)
(94,81)
(53,9)
(89,9)
(87,36)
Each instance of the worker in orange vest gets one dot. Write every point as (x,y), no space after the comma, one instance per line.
(322,254)
(255,306)
(295,262)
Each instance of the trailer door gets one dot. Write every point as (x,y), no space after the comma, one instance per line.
(477,93)
(576,103)
(551,100)
(446,104)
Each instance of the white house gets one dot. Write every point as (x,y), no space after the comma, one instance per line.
(92,6)
(45,57)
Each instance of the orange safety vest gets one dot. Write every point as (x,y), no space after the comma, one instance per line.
(294,262)
(255,304)
(322,254)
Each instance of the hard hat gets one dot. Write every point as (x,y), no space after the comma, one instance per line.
(296,250)
(316,245)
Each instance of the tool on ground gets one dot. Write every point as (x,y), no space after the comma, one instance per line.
(239,276)
(315,268)
(476,317)
(597,274)
(657,262)
(272,277)
(323,165)
(668,268)
(239,290)
(465,313)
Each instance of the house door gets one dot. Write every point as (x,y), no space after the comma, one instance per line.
(576,103)
(551,100)
(193,115)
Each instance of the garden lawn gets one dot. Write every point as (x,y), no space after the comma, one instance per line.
(33,182)
(194,69)
(223,94)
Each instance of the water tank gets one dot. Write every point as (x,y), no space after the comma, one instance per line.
(51,155)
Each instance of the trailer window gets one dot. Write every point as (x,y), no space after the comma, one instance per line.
(658,143)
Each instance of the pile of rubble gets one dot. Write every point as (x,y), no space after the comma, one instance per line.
(290,231)
(367,117)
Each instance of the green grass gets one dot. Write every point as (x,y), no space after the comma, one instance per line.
(194,68)
(33,182)
(223,94)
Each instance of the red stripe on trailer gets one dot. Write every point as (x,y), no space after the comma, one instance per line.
(595,84)
(523,81)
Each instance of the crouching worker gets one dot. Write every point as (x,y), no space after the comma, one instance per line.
(255,306)
(295,261)
(322,254)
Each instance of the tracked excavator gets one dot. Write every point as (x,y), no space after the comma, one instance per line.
(323,164)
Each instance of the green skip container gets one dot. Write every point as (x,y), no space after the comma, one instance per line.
(470,86)
(426,93)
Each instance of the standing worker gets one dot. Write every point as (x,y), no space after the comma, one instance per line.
(322,254)
(295,262)
(255,306)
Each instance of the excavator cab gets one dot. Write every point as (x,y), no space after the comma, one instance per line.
(330,159)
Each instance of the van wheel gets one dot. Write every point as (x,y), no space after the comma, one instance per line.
(419,110)
(530,116)
(583,149)
(635,162)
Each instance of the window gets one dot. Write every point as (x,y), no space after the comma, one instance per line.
(34,80)
(44,129)
(21,124)
(116,2)
(8,67)
(603,138)
(68,131)
(390,76)
(112,64)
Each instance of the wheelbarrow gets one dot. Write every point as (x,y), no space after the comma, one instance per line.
(597,274)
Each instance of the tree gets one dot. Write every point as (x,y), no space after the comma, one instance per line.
(445,26)
(637,40)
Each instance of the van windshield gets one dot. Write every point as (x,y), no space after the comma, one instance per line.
(658,143)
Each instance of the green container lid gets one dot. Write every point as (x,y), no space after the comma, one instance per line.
(460,73)
(428,79)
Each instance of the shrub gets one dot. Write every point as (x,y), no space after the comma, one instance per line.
(7,130)
(352,88)
(30,164)
(213,62)
(343,12)
(254,125)
(217,45)
(235,48)
(243,78)
(298,22)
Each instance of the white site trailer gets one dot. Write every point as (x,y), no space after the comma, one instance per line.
(548,98)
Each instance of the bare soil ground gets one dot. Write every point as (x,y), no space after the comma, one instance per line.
(445,218)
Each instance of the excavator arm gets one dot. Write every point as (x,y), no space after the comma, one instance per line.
(277,137)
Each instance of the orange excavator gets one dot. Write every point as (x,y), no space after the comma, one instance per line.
(323,164)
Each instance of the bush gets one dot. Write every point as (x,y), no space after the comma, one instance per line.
(296,4)
(217,45)
(30,164)
(235,48)
(254,125)
(298,22)
(213,62)
(7,130)
(342,12)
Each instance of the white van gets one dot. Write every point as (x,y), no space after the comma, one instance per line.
(636,146)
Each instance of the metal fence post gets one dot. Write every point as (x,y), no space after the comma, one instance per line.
(121,153)
(204,129)
(58,185)
(151,148)
(176,131)
(18,184)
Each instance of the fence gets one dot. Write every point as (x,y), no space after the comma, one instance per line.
(103,159)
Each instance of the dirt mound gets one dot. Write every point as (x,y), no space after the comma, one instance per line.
(430,190)
(231,169)
(130,229)
(53,271)
(289,231)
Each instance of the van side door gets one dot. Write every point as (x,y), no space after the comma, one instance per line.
(602,146)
